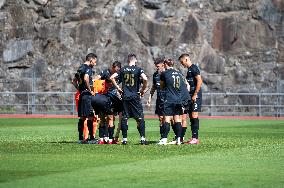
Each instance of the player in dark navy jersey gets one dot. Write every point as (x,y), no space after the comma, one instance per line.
(130,76)
(184,90)
(83,82)
(195,81)
(159,63)
(111,91)
(172,83)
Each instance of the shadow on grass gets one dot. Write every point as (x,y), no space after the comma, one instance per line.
(63,142)
(151,142)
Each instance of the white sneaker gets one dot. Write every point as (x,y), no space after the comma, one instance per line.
(174,142)
(163,141)
(193,141)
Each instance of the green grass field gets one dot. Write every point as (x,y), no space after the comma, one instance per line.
(232,153)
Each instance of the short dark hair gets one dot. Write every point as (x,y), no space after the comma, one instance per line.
(131,57)
(158,61)
(91,56)
(169,62)
(116,64)
(182,56)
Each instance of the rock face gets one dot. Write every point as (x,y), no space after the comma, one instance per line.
(15,50)
(238,44)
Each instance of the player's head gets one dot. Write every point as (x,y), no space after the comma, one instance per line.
(184,59)
(92,58)
(168,63)
(116,66)
(159,64)
(131,58)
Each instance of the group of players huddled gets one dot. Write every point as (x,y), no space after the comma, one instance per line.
(118,91)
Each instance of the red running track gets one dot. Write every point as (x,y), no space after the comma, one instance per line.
(146,116)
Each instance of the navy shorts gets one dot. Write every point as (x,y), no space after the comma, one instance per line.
(195,106)
(101,104)
(85,108)
(159,107)
(171,109)
(132,108)
(185,106)
(116,106)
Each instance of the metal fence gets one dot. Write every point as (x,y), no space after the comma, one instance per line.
(214,104)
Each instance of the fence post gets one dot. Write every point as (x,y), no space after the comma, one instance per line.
(28,110)
(73,104)
(33,103)
(211,104)
(259,104)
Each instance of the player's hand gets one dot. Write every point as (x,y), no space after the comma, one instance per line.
(148,104)
(120,90)
(93,93)
(193,98)
(142,92)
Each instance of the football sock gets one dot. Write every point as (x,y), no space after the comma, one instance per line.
(161,130)
(195,127)
(183,131)
(111,132)
(124,127)
(90,128)
(178,129)
(174,128)
(80,128)
(166,129)
(141,127)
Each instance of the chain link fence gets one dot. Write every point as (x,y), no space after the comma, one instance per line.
(214,104)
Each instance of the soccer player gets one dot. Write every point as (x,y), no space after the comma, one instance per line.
(112,92)
(171,82)
(83,82)
(130,76)
(195,81)
(184,89)
(159,63)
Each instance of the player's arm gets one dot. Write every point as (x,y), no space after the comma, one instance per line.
(152,91)
(198,87)
(100,76)
(87,81)
(75,83)
(97,77)
(145,84)
(112,78)
(186,83)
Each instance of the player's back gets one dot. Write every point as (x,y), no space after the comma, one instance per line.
(172,82)
(130,77)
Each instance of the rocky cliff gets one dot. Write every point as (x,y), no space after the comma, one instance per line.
(238,44)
